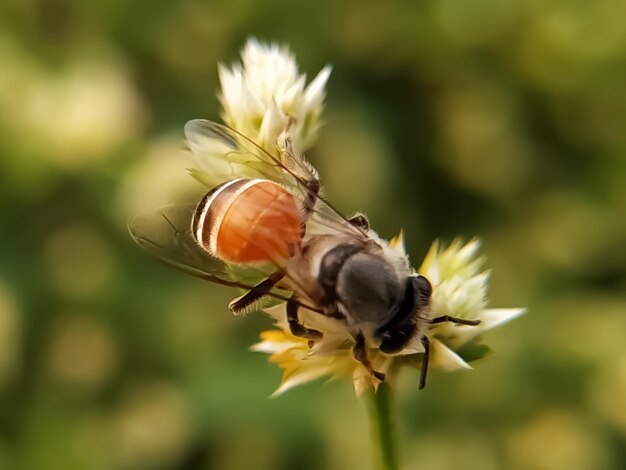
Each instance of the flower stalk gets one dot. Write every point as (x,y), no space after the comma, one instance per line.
(382,422)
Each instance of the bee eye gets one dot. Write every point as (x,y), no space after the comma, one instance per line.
(393,341)
(422,285)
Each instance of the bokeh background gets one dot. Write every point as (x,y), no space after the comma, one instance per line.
(499,118)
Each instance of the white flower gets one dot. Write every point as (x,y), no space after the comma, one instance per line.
(261,94)
(460,290)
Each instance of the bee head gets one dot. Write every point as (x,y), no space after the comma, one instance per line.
(397,333)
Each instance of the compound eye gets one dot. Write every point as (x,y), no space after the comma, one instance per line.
(422,285)
(393,341)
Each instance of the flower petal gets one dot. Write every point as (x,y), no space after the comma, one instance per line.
(456,336)
(274,121)
(362,380)
(314,94)
(493,317)
(276,341)
(442,357)
(302,376)
(397,243)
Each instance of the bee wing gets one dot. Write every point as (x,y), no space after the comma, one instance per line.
(223,154)
(166,234)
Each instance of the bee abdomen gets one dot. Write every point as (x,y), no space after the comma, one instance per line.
(247,220)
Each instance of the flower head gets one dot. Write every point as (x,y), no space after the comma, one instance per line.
(265,90)
(459,290)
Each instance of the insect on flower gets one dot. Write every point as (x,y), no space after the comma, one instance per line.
(266,229)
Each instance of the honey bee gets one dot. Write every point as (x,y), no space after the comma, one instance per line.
(267,230)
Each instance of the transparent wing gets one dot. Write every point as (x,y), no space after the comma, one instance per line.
(166,234)
(223,154)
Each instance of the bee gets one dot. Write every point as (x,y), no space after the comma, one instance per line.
(266,229)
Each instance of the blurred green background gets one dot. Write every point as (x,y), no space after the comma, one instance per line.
(498,118)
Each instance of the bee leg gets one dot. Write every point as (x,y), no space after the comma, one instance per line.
(455,320)
(310,177)
(360,221)
(240,304)
(313,190)
(297,328)
(360,354)
(425,359)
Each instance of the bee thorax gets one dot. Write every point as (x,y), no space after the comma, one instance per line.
(368,288)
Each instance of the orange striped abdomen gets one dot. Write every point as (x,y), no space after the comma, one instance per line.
(246,221)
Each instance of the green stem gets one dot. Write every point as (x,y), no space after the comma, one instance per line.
(382,424)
